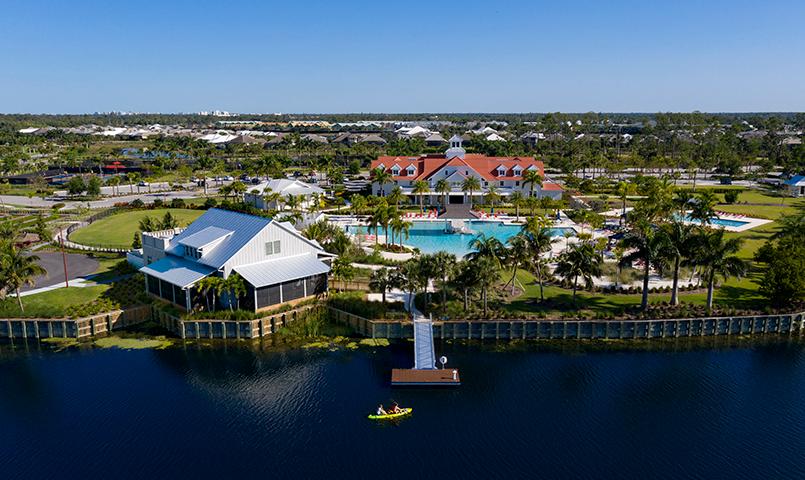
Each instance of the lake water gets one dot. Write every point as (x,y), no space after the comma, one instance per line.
(430,237)
(236,412)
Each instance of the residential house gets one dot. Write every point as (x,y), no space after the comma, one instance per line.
(796,185)
(278,265)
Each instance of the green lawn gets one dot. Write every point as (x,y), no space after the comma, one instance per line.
(117,231)
(51,303)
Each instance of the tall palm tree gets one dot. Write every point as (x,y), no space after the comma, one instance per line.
(533,179)
(18,269)
(516,199)
(580,261)
(210,286)
(443,188)
(381,281)
(492,196)
(486,246)
(401,227)
(648,244)
(421,188)
(382,177)
(517,255)
(467,278)
(487,271)
(623,190)
(540,241)
(357,204)
(716,255)
(235,287)
(445,264)
(470,184)
(396,196)
(679,235)
(704,207)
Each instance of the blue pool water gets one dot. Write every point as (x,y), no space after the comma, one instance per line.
(430,237)
(723,222)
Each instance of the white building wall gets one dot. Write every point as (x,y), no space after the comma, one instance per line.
(255,250)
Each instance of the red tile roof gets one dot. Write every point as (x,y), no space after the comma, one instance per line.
(427,165)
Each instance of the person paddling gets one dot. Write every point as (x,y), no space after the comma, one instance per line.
(381,410)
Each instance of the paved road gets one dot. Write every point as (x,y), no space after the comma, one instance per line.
(77,266)
(104,202)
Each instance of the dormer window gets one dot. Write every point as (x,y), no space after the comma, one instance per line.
(395,170)
(192,252)
(411,170)
(501,170)
(517,171)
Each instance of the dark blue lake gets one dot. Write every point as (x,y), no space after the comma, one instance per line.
(675,411)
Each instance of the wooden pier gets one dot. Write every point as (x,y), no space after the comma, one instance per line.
(404,377)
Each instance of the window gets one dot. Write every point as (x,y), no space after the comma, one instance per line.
(272,248)
(517,183)
(395,171)
(501,183)
(411,171)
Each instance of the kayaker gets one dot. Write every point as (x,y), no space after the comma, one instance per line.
(381,410)
(395,409)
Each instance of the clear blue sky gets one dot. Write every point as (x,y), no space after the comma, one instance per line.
(404,56)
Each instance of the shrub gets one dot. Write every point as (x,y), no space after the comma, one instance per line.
(177,203)
(731,196)
(137,203)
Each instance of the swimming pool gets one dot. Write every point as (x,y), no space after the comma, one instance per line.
(723,222)
(430,237)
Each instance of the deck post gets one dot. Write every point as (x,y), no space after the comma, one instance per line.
(24,329)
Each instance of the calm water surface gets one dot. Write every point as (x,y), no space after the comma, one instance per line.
(237,412)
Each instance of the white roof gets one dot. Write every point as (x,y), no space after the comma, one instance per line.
(177,271)
(205,237)
(286,186)
(285,269)
(494,137)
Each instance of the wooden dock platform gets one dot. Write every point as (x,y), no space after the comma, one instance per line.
(404,377)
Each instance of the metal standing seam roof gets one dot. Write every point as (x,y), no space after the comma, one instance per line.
(177,271)
(244,227)
(205,237)
(272,272)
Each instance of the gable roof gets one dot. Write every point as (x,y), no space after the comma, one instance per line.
(244,227)
(796,180)
(205,237)
(286,186)
(485,166)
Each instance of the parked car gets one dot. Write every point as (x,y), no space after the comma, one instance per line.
(143,183)
(229,178)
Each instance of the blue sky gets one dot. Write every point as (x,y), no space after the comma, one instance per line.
(408,56)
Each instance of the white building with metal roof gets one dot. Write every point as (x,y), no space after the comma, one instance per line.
(277,263)
(260,195)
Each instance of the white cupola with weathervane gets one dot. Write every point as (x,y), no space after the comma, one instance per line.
(455,150)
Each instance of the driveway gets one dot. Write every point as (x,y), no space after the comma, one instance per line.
(78,265)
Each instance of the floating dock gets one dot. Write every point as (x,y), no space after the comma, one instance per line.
(424,373)
(405,377)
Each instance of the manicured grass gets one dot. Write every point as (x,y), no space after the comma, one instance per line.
(117,231)
(735,293)
(51,303)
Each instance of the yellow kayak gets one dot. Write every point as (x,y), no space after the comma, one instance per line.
(404,412)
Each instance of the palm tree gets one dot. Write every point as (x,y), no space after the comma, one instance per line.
(382,177)
(235,287)
(133,177)
(533,179)
(581,260)
(716,256)
(486,246)
(381,281)
(292,201)
(623,190)
(467,277)
(492,196)
(704,207)
(210,286)
(487,269)
(517,255)
(516,199)
(443,188)
(409,278)
(401,227)
(18,269)
(540,241)
(114,182)
(421,188)
(445,264)
(649,244)
(396,196)
(357,204)
(679,235)
(470,184)
(342,270)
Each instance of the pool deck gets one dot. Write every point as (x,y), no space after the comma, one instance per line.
(748,222)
